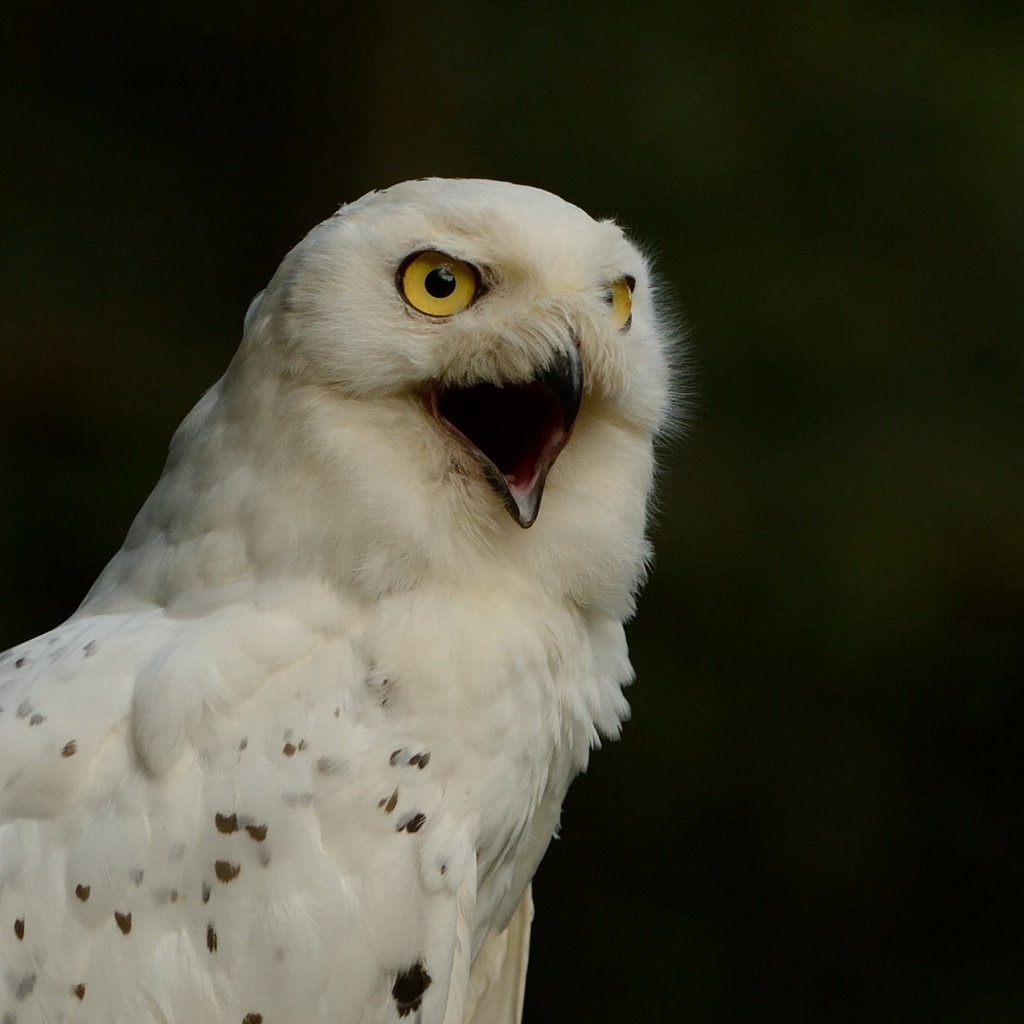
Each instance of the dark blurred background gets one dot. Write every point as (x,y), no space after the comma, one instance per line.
(815,814)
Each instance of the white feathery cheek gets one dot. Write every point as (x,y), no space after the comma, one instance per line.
(340,319)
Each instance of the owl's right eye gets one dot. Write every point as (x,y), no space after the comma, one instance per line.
(436,284)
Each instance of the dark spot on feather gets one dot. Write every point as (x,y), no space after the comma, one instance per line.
(420,760)
(226,871)
(337,712)
(24,709)
(395,755)
(411,823)
(257,832)
(25,985)
(226,823)
(303,744)
(36,719)
(79,991)
(243,743)
(175,895)
(69,748)
(444,868)
(253,1018)
(19,663)
(211,939)
(89,649)
(409,987)
(19,927)
(206,892)
(390,803)
(124,921)
(136,875)
(329,766)
(288,749)
(82,892)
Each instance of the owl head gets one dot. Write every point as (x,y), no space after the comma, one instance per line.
(423,367)
(501,312)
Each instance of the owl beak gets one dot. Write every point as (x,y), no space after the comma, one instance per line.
(516,430)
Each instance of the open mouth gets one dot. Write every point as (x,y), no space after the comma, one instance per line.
(515,430)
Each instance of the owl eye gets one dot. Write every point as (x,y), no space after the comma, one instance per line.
(436,284)
(620,298)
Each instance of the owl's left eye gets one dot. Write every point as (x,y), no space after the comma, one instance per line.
(436,284)
(620,298)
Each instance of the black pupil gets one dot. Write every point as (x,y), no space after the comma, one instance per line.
(440,283)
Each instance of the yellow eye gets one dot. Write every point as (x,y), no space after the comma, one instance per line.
(436,284)
(620,298)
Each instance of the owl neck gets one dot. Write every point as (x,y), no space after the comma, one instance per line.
(268,480)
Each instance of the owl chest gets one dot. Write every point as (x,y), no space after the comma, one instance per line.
(478,689)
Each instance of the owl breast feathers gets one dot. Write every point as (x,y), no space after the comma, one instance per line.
(301,749)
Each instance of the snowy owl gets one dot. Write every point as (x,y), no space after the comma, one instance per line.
(299,752)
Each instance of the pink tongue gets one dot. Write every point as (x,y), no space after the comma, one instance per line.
(523,477)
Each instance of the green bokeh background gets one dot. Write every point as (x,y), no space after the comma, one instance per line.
(815,814)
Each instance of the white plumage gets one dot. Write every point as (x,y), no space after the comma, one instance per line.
(299,752)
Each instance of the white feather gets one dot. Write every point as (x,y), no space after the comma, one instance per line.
(300,751)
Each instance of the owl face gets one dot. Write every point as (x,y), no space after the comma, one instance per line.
(501,311)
